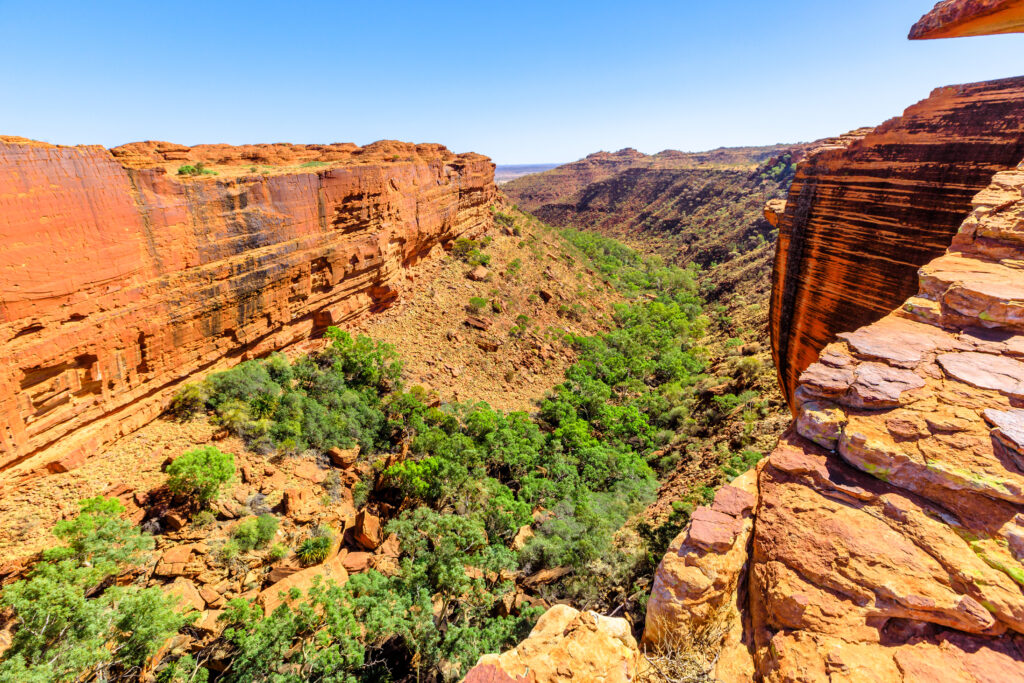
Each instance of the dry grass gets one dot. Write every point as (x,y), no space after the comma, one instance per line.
(687,656)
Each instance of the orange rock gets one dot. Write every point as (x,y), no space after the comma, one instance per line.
(566,645)
(309,471)
(148,279)
(366,530)
(332,570)
(343,457)
(954,18)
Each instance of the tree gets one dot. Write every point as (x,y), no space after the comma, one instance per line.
(199,474)
(68,624)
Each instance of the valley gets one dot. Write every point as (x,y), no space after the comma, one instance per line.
(277,413)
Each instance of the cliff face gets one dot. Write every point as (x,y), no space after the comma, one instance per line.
(888,529)
(119,280)
(864,214)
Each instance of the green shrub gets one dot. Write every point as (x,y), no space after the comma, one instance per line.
(68,623)
(194,170)
(277,552)
(200,473)
(188,402)
(360,493)
(255,532)
(314,550)
(477,303)
(203,519)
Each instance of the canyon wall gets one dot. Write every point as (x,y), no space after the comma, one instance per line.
(119,279)
(888,525)
(865,213)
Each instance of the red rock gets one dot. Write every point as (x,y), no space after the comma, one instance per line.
(309,471)
(478,274)
(300,504)
(733,501)
(146,284)
(174,521)
(478,323)
(986,371)
(332,570)
(865,212)
(187,594)
(712,530)
(955,18)
(357,561)
(366,530)
(880,386)
(343,457)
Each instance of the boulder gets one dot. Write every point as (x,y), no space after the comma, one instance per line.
(366,530)
(343,457)
(333,570)
(566,645)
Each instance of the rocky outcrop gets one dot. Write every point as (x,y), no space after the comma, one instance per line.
(865,212)
(954,18)
(888,533)
(566,645)
(700,588)
(120,279)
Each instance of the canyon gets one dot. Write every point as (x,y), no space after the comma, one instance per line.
(120,279)
(881,539)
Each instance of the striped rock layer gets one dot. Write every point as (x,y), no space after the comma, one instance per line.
(119,279)
(865,213)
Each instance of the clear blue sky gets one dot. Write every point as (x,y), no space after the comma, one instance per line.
(520,81)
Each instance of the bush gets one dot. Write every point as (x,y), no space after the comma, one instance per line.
(277,552)
(255,532)
(200,473)
(194,170)
(189,401)
(477,303)
(314,550)
(68,623)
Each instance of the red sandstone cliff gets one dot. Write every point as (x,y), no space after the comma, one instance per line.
(863,215)
(118,280)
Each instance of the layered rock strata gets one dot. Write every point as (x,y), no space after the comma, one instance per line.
(955,18)
(865,213)
(119,280)
(888,534)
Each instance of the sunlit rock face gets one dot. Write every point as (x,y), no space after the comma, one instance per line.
(866,212)
(885,534)
(120,279)
(956,18)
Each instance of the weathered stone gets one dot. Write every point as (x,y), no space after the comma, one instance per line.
(309,471)
(821,422)
(877,385)
(366,530)
(331,570)
(986,371)
(343,457)
(566,645)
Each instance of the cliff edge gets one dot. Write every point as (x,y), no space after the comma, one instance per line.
(120,278)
